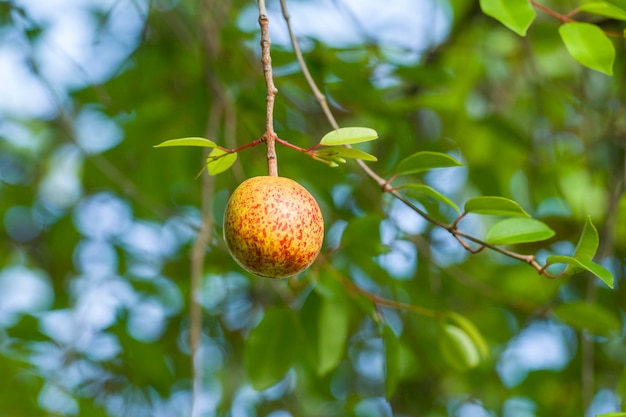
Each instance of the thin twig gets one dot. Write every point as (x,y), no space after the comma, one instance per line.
(555,14)
(321,98)
(195,310)
(567,18)
(211,13)
(384,302)
(266,60)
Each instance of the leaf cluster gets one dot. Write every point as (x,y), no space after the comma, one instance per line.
(587,43)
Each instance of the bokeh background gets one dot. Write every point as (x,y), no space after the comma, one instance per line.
(98,227)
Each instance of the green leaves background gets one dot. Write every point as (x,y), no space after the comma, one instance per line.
(587,43)
(510,130)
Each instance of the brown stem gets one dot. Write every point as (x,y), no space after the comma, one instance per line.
(266,60)
(292,146)
(468,247)
(242,147)
(261,140)
(551,12)
(381,301)
(567,18)
(573,13)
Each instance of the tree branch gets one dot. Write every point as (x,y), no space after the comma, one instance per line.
(266,61)
(195,309)
(382,301)
(321,98)
(385,184)
(212,14)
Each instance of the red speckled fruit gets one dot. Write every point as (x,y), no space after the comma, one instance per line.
(273,227)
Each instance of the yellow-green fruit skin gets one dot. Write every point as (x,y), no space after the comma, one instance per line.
(273,227)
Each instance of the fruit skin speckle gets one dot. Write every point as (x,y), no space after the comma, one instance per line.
(273,227)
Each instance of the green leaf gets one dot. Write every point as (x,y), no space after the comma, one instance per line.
(458,349)
(585,250)
(421,189)
(615,414)
(392,360)
(589,316)
(497,206)
(332,331)
(588,45)
(518,230)
(587,243)
(603,8)
(517,15)
(582,264)
(309,319)
(193,141)
(348,135)
(219,161)
(472,331)
(400,360)
(271,348)
(619,3)
(340,152)
(424,161)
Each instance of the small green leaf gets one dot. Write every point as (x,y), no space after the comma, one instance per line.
(392,360)
(614,414)
(602,8)
(400,360)
(588,45)
(421,189)
(219,161)
(587,243)
(309,319)
(585,249)
(271,348)
(424,161)
(518,230)
(188,142)
(332,333)
(497,206)
(581,264)
(458,349)
(589,316)
(348,135)
(340,152)
(472,331)
(517,15)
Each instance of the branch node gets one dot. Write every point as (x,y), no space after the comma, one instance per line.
(386,186)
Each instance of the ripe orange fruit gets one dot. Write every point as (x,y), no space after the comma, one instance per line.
(273,227)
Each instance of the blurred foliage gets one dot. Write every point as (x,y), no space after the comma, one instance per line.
(395,317)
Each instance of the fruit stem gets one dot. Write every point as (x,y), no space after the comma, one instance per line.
(266,61)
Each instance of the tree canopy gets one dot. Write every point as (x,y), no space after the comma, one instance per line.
(475,225)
